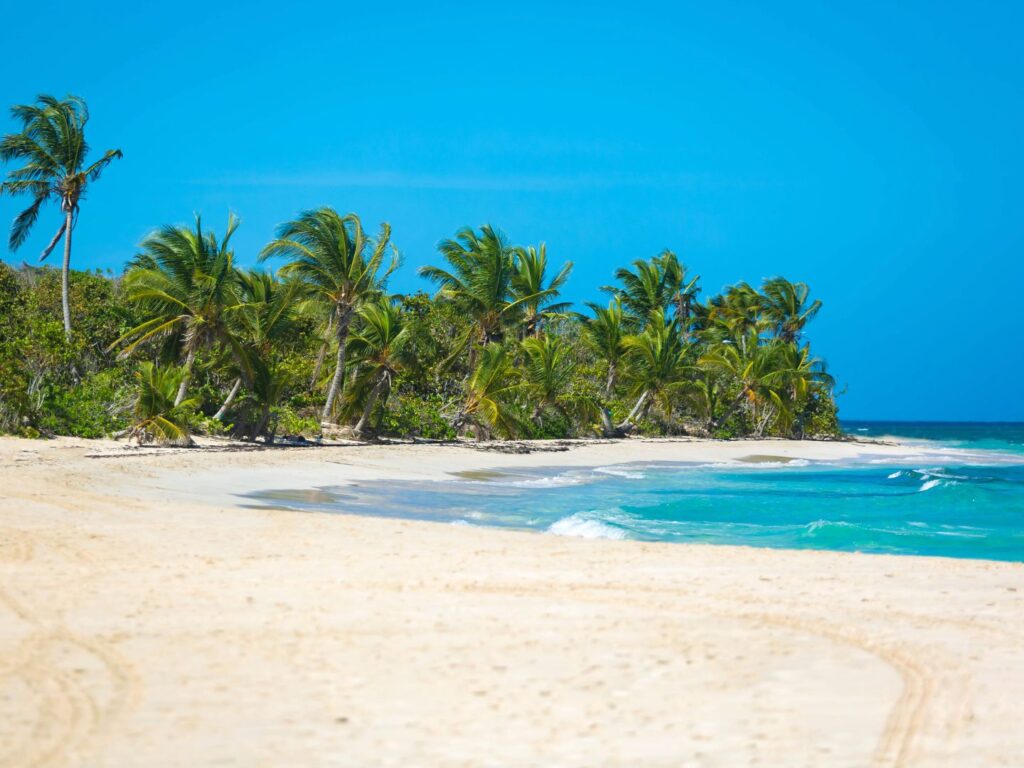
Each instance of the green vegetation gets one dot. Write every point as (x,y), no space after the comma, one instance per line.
(187,342)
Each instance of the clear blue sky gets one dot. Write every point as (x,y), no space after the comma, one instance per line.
(872,150)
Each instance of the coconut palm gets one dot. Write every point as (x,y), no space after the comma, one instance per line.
(787,309)
(656,364)
(736,317)
(680,287)
(547,371)
(185,282)
(490,391)
(651,285)
(380,344)
(343,268)
(157,414)
(702,396)
(759,376)
(605,333)
(263,320)
(480,279)
(531,290)
(54,150)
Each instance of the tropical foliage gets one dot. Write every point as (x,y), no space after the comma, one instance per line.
(188,342)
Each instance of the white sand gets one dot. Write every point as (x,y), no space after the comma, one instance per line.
(146,619)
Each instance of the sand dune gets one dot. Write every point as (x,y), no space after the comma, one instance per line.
(146,618)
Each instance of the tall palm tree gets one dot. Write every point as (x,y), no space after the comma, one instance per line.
(380,344)
(533,292)
(343,268)
(787,309)
(53,147)
(186,283)
(605,334)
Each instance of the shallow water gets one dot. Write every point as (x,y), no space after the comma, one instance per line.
(955,501)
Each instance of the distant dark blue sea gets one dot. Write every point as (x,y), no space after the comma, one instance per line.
(960,494)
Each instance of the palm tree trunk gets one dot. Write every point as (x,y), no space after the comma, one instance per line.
(371,400)
(230,399)
(183,387)
(609,383)
(320,359)
(636,409)
(344,320)
(65,274)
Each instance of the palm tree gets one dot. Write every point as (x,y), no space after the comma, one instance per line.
(478,281)
(343,268)
(157,414)
(535,298)
(380,346)
(484,283)
(786,307)
(185,281)
(736,317)
(656,363)
(651,285)
(263,320)
(605,333)
(681,288)
(489,392)
(760,379)
(547,372)
(53,147)
(703,396)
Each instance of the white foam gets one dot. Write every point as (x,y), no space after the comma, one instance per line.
(929,484)
(554,481)
(584,526)
(620,472)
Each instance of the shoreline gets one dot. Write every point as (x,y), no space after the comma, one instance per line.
(146,617)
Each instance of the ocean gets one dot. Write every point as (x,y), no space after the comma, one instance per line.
(962,496)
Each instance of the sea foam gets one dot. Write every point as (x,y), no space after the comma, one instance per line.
(583,525)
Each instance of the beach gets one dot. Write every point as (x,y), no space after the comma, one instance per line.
(150,616)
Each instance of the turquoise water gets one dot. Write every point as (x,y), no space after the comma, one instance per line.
(957,498)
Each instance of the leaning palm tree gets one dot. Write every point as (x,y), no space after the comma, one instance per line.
(53,147)
(380,344)
(534,293)
(343,268)
(787,309)
(185,282)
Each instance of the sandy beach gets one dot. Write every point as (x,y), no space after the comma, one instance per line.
(149,618)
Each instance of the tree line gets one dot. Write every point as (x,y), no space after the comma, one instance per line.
(185,341)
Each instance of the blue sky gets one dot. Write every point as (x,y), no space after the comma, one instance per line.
(871,150)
